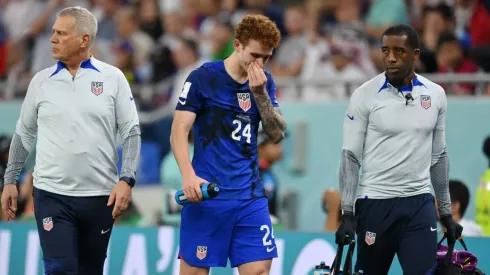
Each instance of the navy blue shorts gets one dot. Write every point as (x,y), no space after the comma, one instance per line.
(74,232)
(214,231)
(405,226)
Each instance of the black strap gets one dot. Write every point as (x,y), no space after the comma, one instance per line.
(337,261)
(348,260)
(450,249)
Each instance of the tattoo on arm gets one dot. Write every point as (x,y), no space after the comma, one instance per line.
(272,121)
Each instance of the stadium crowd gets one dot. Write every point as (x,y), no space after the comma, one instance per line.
(160,41)
(157,43)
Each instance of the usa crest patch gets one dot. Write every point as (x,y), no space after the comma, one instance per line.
(425,101)
(97,87)
(48,224)
(370,238)
(244,101)
(202,251)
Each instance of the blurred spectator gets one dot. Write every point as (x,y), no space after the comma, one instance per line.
(478,19)
(3,50)
(337,68)
(19,15)
(331,207)
(4,145)
(185,56)
(105,11)
(149,17)
(478,22)
(222,38)
(289,58)
(4,156)
(381,15)
(483,194)
(175,25)
(105,19)
(134,47)
(460,198)
(436,20)
(267,8)
(451,59)
(40,29)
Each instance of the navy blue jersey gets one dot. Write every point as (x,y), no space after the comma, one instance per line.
(225,130)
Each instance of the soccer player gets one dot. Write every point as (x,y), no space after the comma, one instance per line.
(75,108)
(224,102)
(395,124)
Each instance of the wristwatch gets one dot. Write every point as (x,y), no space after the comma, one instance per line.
(130,181)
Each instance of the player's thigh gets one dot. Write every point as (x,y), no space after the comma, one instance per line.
(58,232)
(418,247)
(205,232)
(96,225)
(253,236)
(379,227)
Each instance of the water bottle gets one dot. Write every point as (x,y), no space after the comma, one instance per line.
(209,191)
(322,269)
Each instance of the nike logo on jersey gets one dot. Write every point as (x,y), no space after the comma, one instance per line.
(182,101)
(433,229)
(104,231)
(269,249)
(131,98)
(350,117)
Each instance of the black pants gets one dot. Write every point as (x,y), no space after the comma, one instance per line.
(405,226)
(74,232)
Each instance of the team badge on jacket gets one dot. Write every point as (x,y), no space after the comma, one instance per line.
(97,87)
(244,101)
(48,224)
(425,101)
(201,252)
(370,237)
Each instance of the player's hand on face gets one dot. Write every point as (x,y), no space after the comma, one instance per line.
(191,185)
(256,78)
(9,201)
(121,195)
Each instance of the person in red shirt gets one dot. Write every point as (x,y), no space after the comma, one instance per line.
(452,59)
(478,31)
(3,52)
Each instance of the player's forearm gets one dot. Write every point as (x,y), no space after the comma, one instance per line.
(439,175)
(17,157)
(180,148)
(272,121)
(348,180)
(131,152)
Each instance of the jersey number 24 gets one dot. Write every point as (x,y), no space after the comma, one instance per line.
(236,135)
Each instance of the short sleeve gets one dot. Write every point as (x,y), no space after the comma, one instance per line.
(271,89)
(190,98)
